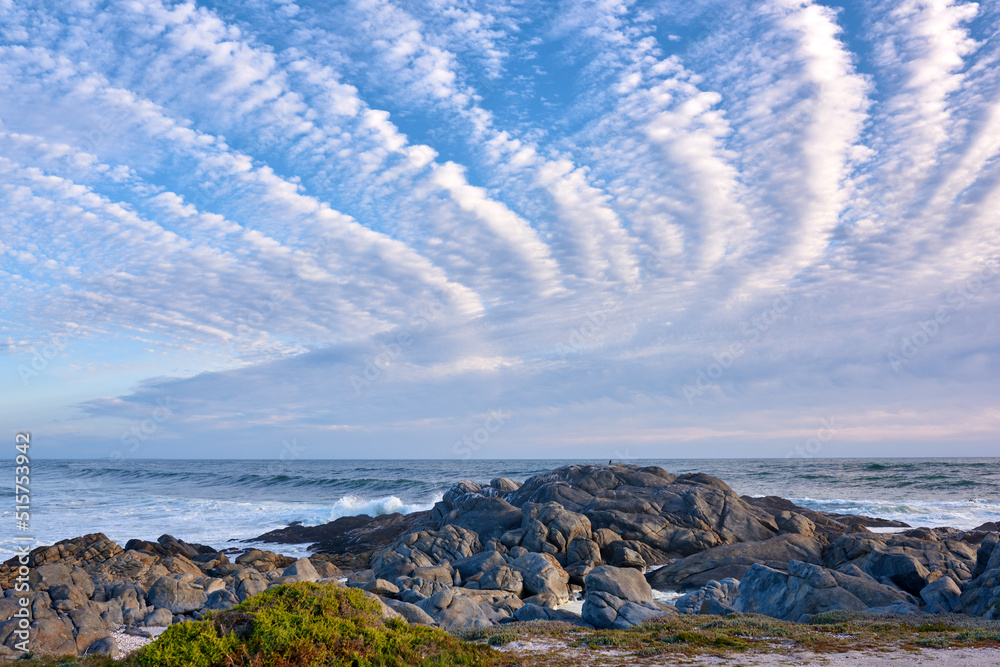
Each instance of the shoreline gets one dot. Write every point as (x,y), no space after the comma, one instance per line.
(584,545)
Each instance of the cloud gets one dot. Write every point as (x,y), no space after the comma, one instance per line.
(624,222)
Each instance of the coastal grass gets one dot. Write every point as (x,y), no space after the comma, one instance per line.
(306,624)
(834,632)
(300,625)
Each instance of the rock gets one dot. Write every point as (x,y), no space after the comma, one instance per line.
(531,612)
(544,600)
(903,570)
(104,646)
(248,588)
(503,578)
(941,595)
(625,583)
(411,612)
(48,576)
(504,485)
(808,589)
(66,597)
(734,560)
(984,552)
(622,556)
(722,592)
(982,595)
(382,588)
(541,573)
(488,516)
(158,617)
(897,608)
(53,636)
(603,610)
(221,600)
(301,570)
(478,564)
(176,595)
(551,522)
(453,610)
(795,524)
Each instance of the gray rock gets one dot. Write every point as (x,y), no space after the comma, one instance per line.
(942,595)
(159,617)
(453,610)
(248,588)
(603,610)
(478,564)
(542,573)
(301,570)
(531,612)
(411,612)
(221,600)
(903,570)
(383,588)
(52,636)
(104,646)
(722,592)
(66,597)
(625,583)
(176,595)
(504,579)
(733,561)
(803,591)
(795,524)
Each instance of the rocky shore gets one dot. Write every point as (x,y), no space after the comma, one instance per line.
(488,555)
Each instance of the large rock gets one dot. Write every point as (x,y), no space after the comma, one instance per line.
(982,595)
(733,561)
(301,570)
(503,578)
(542,573)
(723,593)
(177,596)
(411,612)
(453,610)
(478,564)
(625,583)
(808,589)
(486,515)
(902,569)
(941,595)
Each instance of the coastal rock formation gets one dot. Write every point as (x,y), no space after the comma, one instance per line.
(508,552)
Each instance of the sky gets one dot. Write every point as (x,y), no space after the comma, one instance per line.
(500,229)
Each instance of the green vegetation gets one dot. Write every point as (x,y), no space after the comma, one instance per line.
(300,625)
(304,625)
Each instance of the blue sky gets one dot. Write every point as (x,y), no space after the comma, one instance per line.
(500,229)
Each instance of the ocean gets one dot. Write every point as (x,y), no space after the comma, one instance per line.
(222,502)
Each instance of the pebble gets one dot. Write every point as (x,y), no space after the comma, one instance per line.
(132,639)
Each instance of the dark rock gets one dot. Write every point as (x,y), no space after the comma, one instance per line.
(158,618)
(903,570)
(723,592)
(178,596)
(478,564)
(104,646)
(502,578)
(733,561)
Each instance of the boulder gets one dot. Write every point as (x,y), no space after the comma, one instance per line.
(541,573)
(603,610)
(157,618)
(625,583)
(65,597)
(382,588)
(941,595)
(104,646)
(411,612)
(982,595)
(176,595)
(902,569)
(221,600)
(301,570)
(794,524)
(723,593)
(551,522)
(453,610)
(808,589)
(52,636)
(502,578)
(733,561)
(478,564)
